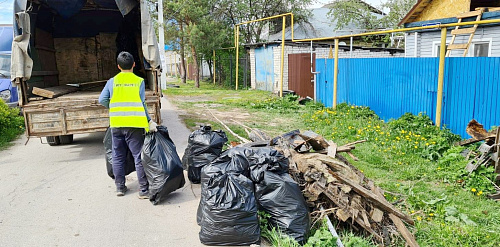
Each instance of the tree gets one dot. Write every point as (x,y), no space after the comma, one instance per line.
(397,11)
(239,11)
(365,16)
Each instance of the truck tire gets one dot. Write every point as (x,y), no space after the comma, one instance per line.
(53,140)
(66,139)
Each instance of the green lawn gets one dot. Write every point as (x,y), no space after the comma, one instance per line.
(410,158)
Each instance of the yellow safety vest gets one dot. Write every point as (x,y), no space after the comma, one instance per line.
(125,107)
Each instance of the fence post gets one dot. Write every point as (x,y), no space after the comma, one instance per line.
(442,54)
(282,54)
(214,66)
(335,73)
(237,52)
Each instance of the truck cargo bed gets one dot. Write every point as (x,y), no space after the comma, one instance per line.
(73,113)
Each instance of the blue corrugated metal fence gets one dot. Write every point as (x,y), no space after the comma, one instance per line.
(394,86)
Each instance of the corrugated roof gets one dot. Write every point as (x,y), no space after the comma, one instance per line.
(318,25)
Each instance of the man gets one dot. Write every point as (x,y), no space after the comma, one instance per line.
(124,95)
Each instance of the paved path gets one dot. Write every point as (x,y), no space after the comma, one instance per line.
(62,196)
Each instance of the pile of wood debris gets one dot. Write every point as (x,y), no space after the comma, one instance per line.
(328,181)
(486,155)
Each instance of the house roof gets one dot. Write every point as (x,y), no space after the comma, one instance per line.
(318,25)
(415,11)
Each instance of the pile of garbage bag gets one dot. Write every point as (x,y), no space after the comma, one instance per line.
(239,182)
(162,165)
(204,145)
(278,194)
(108,146)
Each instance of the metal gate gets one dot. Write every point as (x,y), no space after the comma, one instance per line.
(299,74)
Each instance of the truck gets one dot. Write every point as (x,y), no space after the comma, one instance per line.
(8,91)
(63,53)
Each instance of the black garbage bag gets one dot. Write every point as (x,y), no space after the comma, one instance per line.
(162,165)
(278,194)
(108,146)
(204,145)
(227,212)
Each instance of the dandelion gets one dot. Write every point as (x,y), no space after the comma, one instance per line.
(427,144)
(394,198)
(352,107)
(431,214)
(439,168)
(413,211)
(381,132)
(480,193)
(416,147)
(419,218)
(473,190)
(397,185)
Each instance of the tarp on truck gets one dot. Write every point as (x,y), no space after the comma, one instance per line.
(22,63)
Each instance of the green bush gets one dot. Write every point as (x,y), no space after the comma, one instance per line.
(11,124)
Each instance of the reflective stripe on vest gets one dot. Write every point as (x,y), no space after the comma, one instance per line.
(125,107)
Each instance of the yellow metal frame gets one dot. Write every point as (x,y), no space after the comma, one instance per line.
(442,53)
(236,44)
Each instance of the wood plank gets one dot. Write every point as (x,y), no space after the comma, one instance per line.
(45,48)
(458,46)
(375,199)
(497,154)
(377,215)
(493,9)
(332,149)
(44,73)
(463,31)
(407,235)
(410,239)
(53,92)
(470,14)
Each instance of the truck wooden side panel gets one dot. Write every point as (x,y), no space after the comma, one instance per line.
(74,116)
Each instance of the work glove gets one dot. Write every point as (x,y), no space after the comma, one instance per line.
(152,126)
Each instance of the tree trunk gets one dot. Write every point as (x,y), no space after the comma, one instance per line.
(210,68)
(183,61)
(196,67)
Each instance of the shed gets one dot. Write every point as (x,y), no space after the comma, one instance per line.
(265,57)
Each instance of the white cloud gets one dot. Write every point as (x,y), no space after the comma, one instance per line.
(6,9)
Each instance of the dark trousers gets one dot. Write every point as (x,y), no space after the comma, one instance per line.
(132,139)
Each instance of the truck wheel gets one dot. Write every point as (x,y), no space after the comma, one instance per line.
(66,139)
(53,140)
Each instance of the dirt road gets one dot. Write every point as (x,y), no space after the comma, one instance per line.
(62,196)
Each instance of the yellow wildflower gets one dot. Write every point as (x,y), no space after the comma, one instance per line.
(473,190)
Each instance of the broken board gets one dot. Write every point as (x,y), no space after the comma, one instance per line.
(53,92)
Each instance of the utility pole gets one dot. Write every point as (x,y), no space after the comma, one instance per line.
(161,33)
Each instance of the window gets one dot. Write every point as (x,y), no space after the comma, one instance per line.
(481,49)
(438,50)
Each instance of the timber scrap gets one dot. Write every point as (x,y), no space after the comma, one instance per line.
(328,180)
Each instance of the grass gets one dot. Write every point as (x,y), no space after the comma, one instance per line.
(11,125)
(410,158)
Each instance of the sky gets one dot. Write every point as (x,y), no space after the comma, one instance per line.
(6,11)
(7,5)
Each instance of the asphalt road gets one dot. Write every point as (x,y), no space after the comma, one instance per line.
(62,196)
